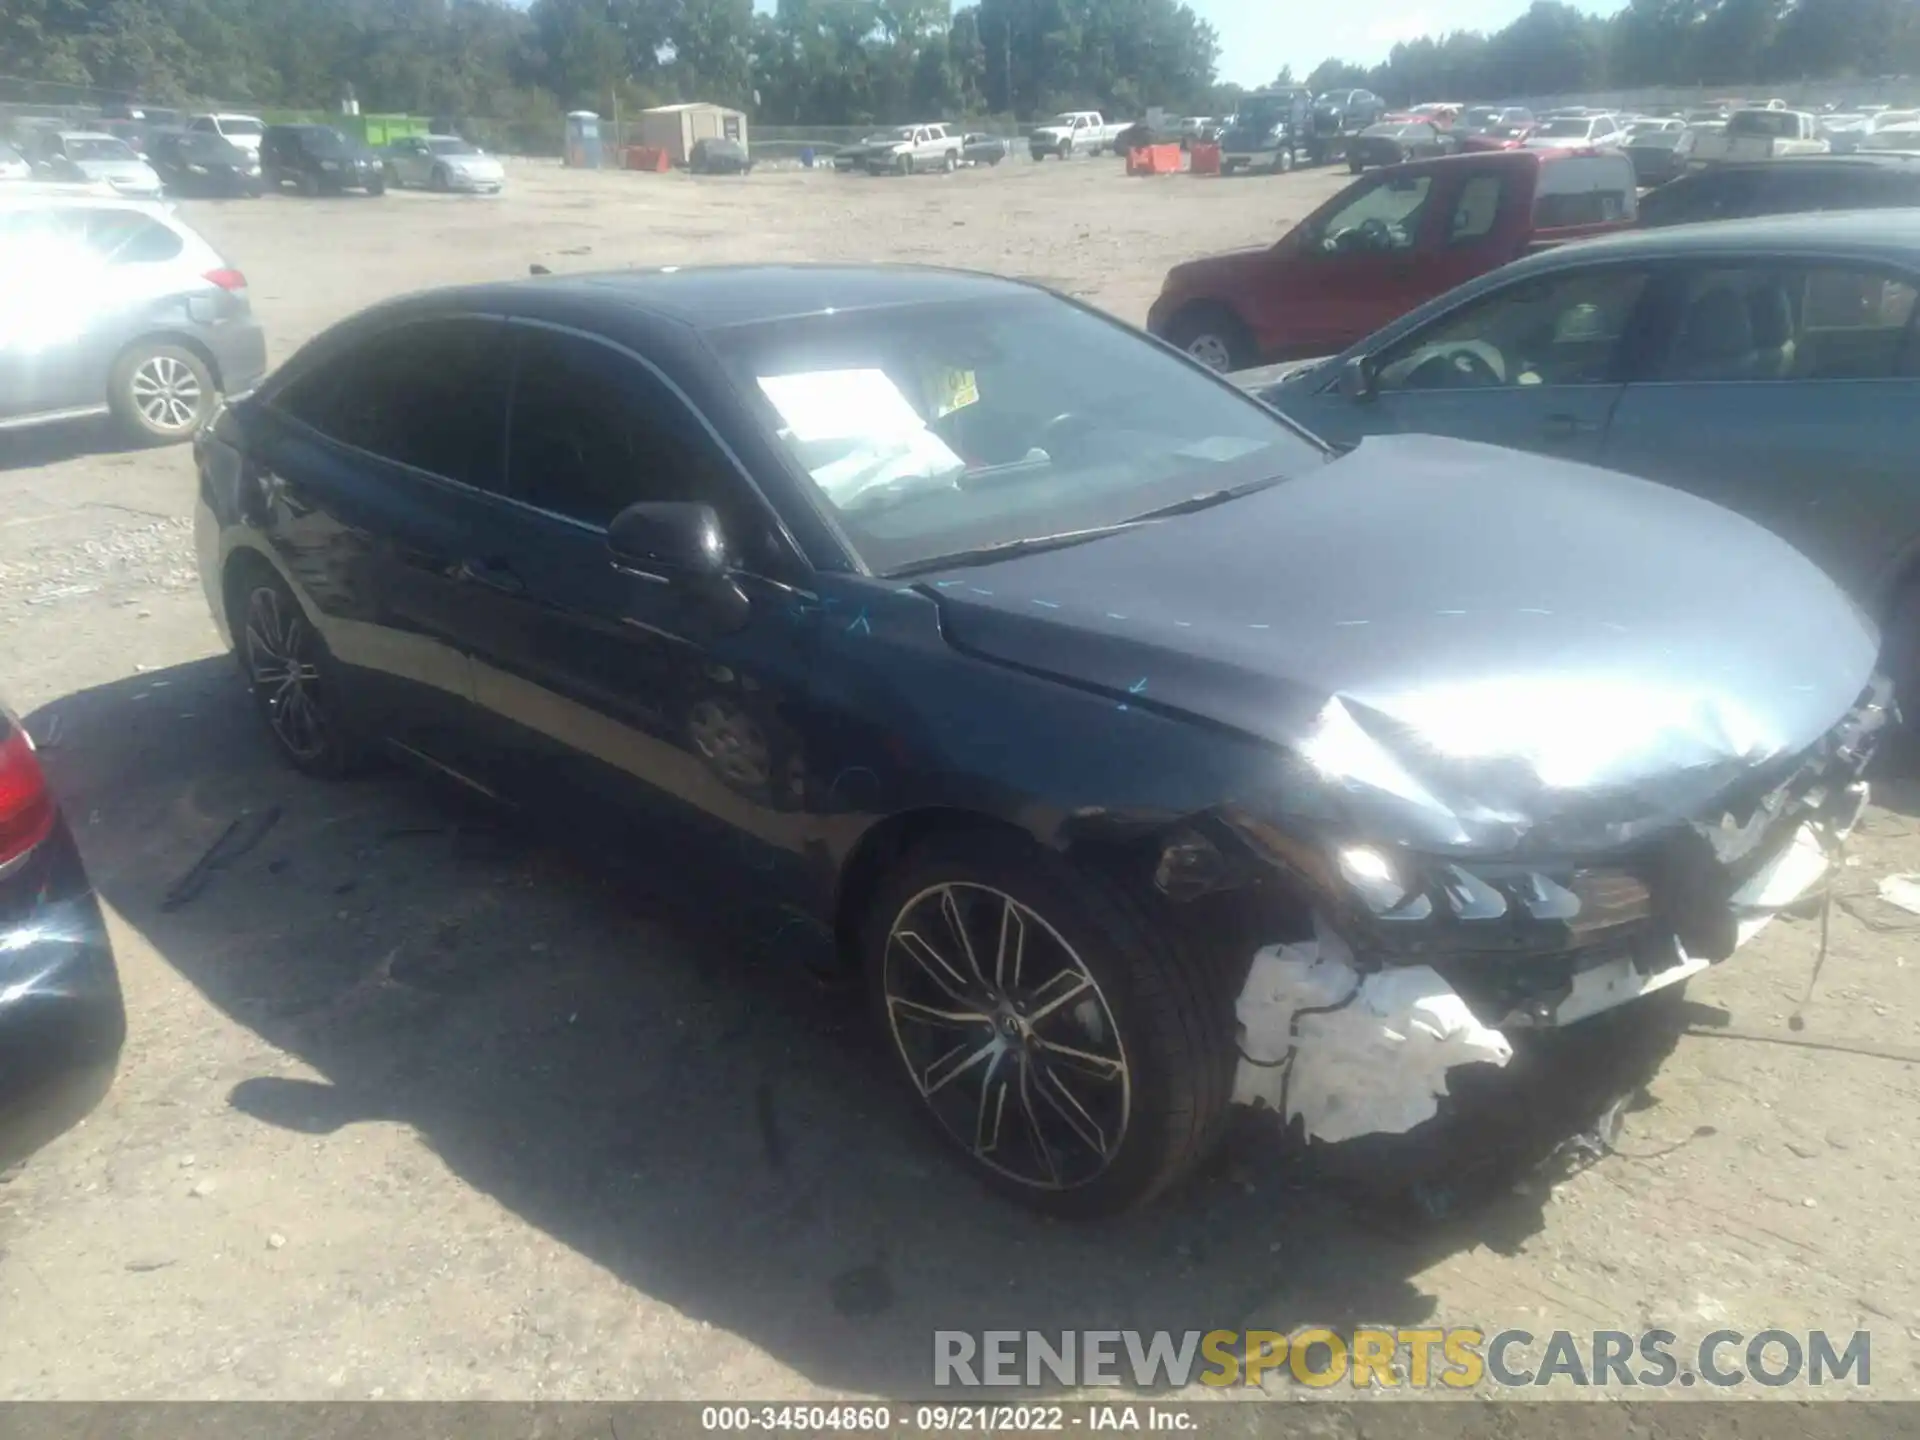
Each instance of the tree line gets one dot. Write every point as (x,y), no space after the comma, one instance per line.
(860,62)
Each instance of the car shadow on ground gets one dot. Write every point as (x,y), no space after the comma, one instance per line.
(38,445)
(667,1085)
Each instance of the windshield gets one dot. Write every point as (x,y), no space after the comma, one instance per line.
(1565,129)
(1262,114)
(319,140)
(452,146)
(199,146)
(1764,122)
(938,429)
(102,147)
(904,132)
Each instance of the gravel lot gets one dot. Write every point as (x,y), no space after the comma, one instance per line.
(418,1107)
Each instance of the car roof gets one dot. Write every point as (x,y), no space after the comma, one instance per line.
(1884,234)
(21,195)
(722,297)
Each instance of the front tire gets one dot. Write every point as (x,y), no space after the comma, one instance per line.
(1354,167)
(1283,162)
(160,393)
(290,674)
(1050,1030)
(309,184)
(906,164)
(438,180)
(951,163)
(1213,335)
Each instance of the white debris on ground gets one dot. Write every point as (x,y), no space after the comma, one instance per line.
(1903,891)
(1373,1064)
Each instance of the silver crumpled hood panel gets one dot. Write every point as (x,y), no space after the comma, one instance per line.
(1458,647)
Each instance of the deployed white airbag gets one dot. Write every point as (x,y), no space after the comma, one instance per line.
(1376,1065)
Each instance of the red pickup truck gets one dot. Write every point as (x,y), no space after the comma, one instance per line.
(1388,242)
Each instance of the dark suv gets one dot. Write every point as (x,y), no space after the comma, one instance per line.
(318,160)
(1792,184)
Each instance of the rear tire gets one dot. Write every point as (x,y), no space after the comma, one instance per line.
(292,677)
(1354,167)
(950,163)
(160,393)
(1213,335)
(1106,1055)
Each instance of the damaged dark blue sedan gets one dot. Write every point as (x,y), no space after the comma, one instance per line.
(1145,754)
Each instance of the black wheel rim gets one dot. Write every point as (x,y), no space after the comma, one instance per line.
(282,654)
(1007,1036)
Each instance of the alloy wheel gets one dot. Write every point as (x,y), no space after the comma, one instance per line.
(1006,1035)
(282,659)
(1211,351)
(730,742)
(167,393)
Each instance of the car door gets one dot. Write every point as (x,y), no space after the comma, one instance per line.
(380,470)
(1537,364)
(627,696)
(1786,391)
(43,324)
(1357,264)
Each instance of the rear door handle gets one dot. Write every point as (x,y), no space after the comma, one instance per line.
(493,573)
(1566,427)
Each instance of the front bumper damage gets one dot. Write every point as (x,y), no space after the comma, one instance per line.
(1440,965)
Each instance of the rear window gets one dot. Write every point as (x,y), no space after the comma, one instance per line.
(231,126)
(1585,190)
(1775,124)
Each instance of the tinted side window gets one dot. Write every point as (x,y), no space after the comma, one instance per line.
(1799,323)
(431,394)
(1385,215)
(1557,330)
(1476,209)
(126,237)
(593,432)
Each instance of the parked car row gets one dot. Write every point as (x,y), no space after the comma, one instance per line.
(221,155)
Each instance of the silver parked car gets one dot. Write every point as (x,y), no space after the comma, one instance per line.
(1770,365)
(87,155)
(130,314)
(443,162)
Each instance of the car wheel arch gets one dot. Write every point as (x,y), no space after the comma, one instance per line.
(171,337)
(884,845)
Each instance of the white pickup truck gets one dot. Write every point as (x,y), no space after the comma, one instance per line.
(1081,130)
(1754,135)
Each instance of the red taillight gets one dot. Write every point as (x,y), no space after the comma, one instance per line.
(26,805)
(227,279)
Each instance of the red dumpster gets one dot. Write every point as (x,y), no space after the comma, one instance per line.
(1203,159)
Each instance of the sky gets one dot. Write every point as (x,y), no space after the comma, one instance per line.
(1257,37)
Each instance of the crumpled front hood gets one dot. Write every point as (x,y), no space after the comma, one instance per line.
(1464,648)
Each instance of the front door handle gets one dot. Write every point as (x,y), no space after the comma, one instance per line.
(492,572)
(1567,427)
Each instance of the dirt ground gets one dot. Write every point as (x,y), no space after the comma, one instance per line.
(415,1106)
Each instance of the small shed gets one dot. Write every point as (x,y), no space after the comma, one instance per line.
(675,128)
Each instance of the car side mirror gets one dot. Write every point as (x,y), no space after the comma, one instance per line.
(668,541)
(679,545)
(1358,381)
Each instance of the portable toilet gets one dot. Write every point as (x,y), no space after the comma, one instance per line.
(583,140)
